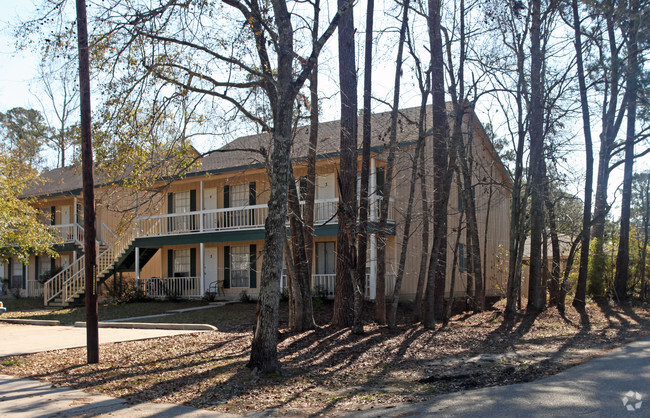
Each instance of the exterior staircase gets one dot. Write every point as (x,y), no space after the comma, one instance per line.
(68,287)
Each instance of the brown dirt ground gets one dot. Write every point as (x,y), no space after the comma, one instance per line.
(331,369)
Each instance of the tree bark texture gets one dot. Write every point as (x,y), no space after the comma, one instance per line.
(365,170)
(438,259)
(623,254)
(536,296)
(90,252)
(346,251)
(583,271)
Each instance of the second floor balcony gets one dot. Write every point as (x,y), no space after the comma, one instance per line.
(237,218)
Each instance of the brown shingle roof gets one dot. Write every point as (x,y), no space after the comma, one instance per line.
(234,155)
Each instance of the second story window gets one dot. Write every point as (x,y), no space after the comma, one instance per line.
(182,202)
(239,195)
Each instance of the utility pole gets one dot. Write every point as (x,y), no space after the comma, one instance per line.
(90,265)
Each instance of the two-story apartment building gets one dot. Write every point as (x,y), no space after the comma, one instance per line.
(205,231)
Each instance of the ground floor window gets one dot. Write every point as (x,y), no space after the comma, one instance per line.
(182,263)
(240,266)
(325,257)
(17,275)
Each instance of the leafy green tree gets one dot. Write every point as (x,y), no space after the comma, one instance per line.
(23,134)
(21,231)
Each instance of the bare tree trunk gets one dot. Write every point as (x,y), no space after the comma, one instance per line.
(426,215)
(365,171)
(465,163)
(346,265)
(553,285)
(486,230)
(310,198)
(623,254)
(536,297)
(583,271)
(90,261)
(611,123)
(295,299)
(304,317)
(392,319)
(424,83)
(380,301)
(438,260)
(517,206)
(452,284)
(645,206)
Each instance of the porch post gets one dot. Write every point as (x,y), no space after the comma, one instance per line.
(137,266)
(27,280)
(373,266)
(201,226)
(373,192)
(74,214)
(202,255)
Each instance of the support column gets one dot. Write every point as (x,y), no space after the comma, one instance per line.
(26,279)
(372,187)
(137,266)
(202,256)
(201,208)
(74,213)
(373,266)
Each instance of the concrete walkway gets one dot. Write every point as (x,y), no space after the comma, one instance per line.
(27,339)
(612,385)
(30,398)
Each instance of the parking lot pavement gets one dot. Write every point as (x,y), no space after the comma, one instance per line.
(26,339)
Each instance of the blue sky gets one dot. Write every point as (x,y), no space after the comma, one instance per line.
(18,69)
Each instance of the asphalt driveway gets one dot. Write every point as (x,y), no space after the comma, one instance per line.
(612,385)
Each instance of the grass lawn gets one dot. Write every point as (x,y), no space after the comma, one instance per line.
(32,308)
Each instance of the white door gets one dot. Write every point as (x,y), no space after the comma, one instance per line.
(65,215)
(209,199)
(210,203)
(210,267)
(65,261)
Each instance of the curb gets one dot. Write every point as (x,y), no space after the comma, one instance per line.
(148,325)
(47,322)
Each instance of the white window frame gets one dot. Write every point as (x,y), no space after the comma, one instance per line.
(240,265)
(239,195)
(324,263)
(182,202)
(182,261)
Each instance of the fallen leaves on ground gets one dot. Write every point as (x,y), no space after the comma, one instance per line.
(327,368)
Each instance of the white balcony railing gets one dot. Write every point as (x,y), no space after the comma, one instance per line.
(322,285)
(239,218)
(34,289)
(69,233)
(170,287)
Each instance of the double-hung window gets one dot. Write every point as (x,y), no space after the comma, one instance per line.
(240,266)
(182,263)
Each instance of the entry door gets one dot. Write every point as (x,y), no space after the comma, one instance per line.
(211,266)
(65,261)
(65,215)
(209,199)
(210,203)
